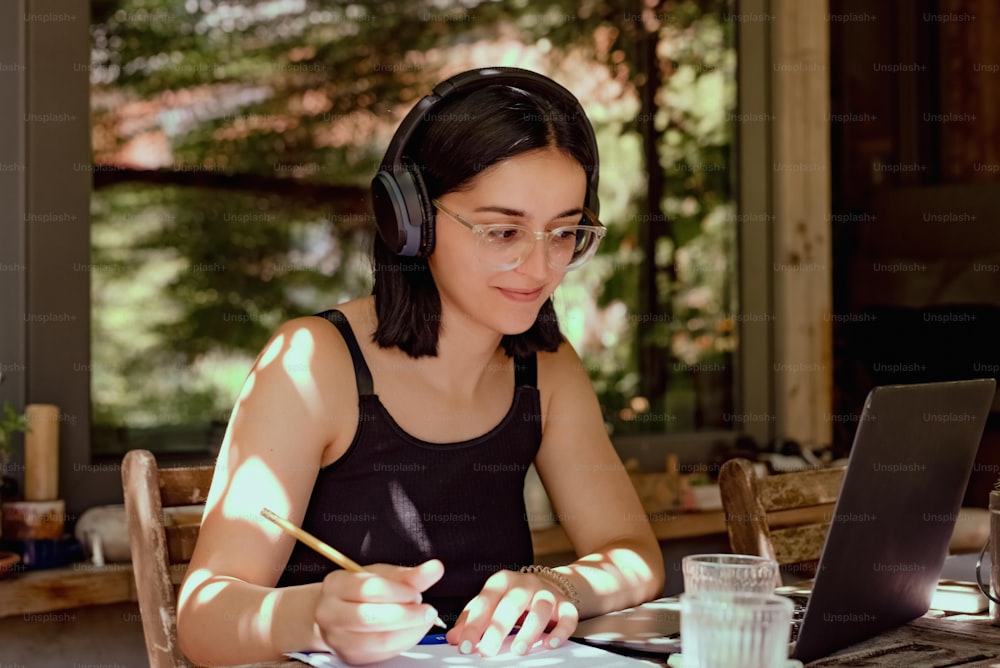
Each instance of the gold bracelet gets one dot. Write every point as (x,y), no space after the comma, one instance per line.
(561,582)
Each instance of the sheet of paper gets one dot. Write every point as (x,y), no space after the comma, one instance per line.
(568,654)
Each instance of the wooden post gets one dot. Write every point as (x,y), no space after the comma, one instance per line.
(803,365)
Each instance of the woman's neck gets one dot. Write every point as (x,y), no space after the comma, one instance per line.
(467,354)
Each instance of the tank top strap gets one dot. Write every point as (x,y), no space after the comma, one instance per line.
(526,371)
(362,375)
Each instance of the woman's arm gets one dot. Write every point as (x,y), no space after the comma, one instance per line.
(228,610)
(298,408)
(620,562)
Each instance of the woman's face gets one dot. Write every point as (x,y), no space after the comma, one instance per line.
(542,190)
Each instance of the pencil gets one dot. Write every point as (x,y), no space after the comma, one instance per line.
(315,543)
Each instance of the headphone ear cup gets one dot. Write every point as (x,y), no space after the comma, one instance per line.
(398,209)
(427,213)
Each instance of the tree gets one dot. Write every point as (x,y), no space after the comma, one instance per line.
(233,142)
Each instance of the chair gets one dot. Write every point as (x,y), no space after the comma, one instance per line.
(162,545)
(161,549)
(784,517)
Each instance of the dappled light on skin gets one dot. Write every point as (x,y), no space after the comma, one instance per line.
(248,485)
(248,386)
(631,565)
(259,625)
(297,362)
(609,573)
(196,587)
(272,352)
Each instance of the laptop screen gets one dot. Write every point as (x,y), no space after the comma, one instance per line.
(908,469)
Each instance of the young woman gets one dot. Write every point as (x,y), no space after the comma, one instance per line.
(399,427)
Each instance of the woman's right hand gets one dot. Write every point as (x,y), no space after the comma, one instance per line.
(375,615)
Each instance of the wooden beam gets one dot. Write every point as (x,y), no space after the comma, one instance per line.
(803,366)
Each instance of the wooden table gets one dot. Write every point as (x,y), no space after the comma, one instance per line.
(932,641)
(74,586)
(935,640)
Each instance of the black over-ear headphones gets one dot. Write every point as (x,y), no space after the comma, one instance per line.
(404,213)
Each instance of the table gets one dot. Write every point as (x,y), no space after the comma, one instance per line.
(932,641)
(935,640)
(73,586)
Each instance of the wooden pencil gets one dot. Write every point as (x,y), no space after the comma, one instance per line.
(315,543)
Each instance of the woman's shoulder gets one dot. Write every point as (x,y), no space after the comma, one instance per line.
(561,366)
(310,329)
(309,344)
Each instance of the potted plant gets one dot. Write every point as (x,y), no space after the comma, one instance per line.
(10,422)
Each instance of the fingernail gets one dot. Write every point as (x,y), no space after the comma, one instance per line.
(519,647)
(430,615)
(419,599)
(466,647)
(553,642)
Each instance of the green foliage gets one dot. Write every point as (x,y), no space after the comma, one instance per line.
(189,284)
(271,96)
(10,422)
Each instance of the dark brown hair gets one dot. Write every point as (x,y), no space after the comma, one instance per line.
(459,140)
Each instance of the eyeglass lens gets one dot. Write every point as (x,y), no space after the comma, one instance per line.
(508,246)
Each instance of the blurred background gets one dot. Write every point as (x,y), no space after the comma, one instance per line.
(233,143)
(800,199)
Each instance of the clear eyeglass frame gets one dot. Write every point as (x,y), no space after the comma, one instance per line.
(594,231)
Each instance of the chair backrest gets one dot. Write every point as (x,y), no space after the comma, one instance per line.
(161,549)
(785,516)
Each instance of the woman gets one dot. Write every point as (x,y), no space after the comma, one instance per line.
(401,435)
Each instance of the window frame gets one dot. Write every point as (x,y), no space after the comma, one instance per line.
(55,356)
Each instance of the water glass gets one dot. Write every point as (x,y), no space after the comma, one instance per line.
(729,572)
(735,630)
(994,549)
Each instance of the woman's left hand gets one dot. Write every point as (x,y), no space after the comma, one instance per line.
(510,599)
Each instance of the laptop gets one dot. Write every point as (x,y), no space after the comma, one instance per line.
(906,476)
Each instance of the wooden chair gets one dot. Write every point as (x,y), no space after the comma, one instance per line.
(785,517)
(161,549)
(162,545)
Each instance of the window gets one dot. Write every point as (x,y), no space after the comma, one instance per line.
(232,148)
(52,360)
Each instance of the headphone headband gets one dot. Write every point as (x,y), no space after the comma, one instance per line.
(403,211)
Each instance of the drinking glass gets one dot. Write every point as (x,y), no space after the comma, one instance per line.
(735,630)
(729,572)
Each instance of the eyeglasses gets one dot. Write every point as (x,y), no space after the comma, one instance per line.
(502,247)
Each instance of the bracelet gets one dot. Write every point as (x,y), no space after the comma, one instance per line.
(558,579)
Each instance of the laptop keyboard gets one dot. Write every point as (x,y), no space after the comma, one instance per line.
(798,612)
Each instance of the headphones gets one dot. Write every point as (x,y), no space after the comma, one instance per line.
(404,213)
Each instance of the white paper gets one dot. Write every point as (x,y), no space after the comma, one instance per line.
(568,654)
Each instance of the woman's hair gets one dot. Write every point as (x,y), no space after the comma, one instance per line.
(457,141)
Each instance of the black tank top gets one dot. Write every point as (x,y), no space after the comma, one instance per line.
(396,499)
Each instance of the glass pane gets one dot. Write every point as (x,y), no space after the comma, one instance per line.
(188,284)
(660,338)
(233,144)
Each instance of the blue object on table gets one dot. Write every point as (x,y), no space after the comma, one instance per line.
(43,553)
(433,639)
